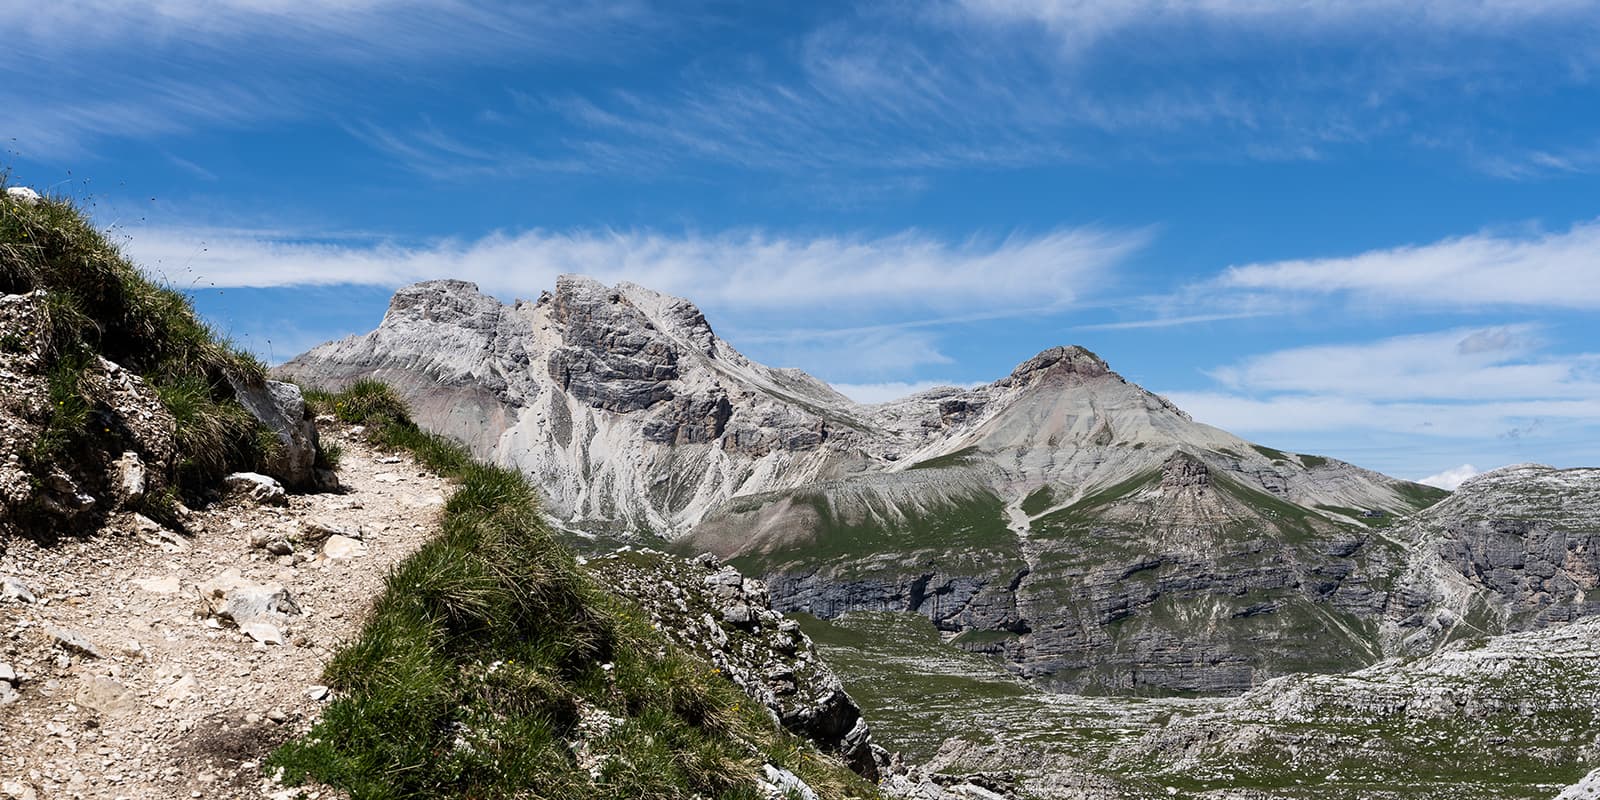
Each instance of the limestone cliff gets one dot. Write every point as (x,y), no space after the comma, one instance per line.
(1061,516)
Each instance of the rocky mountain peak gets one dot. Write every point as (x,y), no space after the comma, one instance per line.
(1183,471)
(443,301)
(1057,361)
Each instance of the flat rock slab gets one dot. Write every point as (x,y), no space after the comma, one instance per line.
(342,548)
(74,641)
(167,585)
(106,696)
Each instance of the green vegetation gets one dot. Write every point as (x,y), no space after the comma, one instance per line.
(966,531)
(1038,501)
(1275,455)
(98,304)
(1312,462)
(1420,495)
(957,459)
(490,654)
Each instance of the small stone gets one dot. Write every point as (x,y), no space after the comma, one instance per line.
(105,696)
(182,689)
(317,531)
(14,589)
(17,790)
(341,548)
(260,488)
(72,640)
(263,632)
(130,478)
(8,674)
(280,547)
(739,614)
(277,716)
(317,692)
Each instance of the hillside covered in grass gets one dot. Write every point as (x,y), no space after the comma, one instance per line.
(117,395)
(492,666)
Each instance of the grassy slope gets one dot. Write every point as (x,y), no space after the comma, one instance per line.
(1286,630)
(98,304)
(490,655)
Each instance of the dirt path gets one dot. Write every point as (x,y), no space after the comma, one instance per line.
(178,703)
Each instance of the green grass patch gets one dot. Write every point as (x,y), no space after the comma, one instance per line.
(1276,455)
(1420,495)
(490,654)
(956,459)
(1038,501)
(97,303)
(963,532)
(1312,462)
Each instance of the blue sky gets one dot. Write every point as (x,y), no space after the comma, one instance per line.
(1369,229)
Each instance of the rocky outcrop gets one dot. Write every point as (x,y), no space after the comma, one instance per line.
(65,470)
(280,407)
(726,618)
(1514,549)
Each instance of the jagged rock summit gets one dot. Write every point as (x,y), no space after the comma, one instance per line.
(1028,517)
(635,416)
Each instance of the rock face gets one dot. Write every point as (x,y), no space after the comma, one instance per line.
(46,481)
(619,401)
(280,407)
(1512,716)
(1514,549)
(719,614)
(1061,516)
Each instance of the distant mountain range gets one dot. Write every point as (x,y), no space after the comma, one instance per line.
(1083,528)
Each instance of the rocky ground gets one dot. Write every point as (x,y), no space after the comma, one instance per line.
(144,662)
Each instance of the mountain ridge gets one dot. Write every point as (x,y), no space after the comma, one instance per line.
(974,507)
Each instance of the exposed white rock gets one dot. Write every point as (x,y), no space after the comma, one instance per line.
(239,600)
(781,784)
(1586,789)
(73,641)
(263,632)
(22,194)
(281,408)
(14,589)
(261,488)
(130,470)
(630,413)
(164,585)
(343,548)
(106,696)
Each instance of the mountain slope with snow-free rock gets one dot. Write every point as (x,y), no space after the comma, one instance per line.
(1061,516)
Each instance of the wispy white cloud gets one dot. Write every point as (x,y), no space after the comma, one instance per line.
(1478,364)
(870,393)
(1173,322)
(1465,383)
(1347,416)
(1081,22)
(457,30)
(1451,479)
(1549,270)
(77,73)
(751,270)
